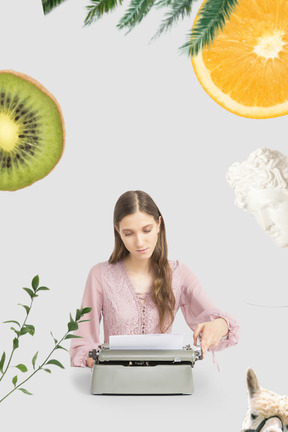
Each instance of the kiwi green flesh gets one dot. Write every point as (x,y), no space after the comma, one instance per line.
(39,144)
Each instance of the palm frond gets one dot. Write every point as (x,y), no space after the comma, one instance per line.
(49,5)
(212,18)
(97,8)
(136,11)
(163,3)
(179,9)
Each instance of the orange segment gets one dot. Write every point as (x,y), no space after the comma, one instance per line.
(245,69)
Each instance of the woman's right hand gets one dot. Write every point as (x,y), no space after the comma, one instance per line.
(211,333)
(90,362)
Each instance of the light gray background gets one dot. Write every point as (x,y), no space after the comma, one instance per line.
(136,118)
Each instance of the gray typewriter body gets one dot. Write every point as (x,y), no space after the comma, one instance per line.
(143,371)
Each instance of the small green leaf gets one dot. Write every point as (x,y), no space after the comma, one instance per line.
(78,315)
(55,362)
(83,321)
(72,325)
(35,282)
(14,380)
(2,361)
(34,360)
(71,336)
(23,331)
(43,288)
(85,310)
(11,321)
(27,328)
(25,391)
(30,292)
(22,367)
(15,343)
(55,340)
(27,308)
(60,347)
(31,329)
(46,370)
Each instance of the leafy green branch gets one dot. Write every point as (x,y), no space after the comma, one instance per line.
(26,328)
(97,8)
(211,20)
(212,17)
(137,10)
(178,9)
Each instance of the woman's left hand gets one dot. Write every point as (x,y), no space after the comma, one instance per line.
(211,333)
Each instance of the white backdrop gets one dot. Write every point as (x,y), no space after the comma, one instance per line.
(136,118)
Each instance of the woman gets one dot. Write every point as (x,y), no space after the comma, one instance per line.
(138,291)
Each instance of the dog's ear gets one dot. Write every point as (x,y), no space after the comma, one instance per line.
(252,383)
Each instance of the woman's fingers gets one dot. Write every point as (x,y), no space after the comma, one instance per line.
(211,333)
(90,362)
(208,339)
(197,331)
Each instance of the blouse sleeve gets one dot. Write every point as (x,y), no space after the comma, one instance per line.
(89,330)
(197,307)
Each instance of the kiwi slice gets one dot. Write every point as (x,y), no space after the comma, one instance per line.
(31,131)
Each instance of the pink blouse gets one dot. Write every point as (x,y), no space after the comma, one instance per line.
(112,297)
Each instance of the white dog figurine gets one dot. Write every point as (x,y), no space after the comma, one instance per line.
(267,412)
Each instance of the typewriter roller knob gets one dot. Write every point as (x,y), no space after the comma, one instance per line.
(198,353)
(93,354)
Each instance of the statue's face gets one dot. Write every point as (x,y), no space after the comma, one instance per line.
(270,209)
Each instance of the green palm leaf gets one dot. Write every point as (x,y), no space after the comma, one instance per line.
(137,10)
(97,8)
(212,18)
(162,3)
(49,5)
(179,9)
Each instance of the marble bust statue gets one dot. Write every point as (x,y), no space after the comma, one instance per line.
(260,184)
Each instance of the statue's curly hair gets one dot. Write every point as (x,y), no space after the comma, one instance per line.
(264,169)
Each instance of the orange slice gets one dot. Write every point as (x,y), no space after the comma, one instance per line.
(245,70)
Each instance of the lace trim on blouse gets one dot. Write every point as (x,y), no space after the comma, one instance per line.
(142,298)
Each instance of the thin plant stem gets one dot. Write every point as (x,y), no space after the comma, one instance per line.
(18,336)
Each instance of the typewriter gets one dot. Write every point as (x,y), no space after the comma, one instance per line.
(143,371)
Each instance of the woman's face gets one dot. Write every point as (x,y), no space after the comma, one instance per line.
(139,233)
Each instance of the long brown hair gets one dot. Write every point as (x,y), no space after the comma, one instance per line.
(162,292)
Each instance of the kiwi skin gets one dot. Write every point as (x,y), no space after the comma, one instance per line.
(57,106)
